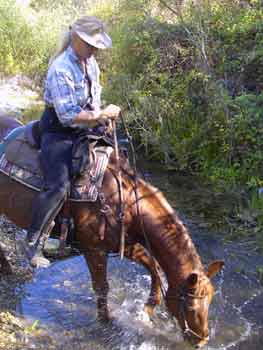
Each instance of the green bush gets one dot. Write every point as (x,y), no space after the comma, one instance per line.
(190,85)
(196,105)
(29,37)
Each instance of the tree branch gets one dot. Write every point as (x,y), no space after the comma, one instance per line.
(176,12)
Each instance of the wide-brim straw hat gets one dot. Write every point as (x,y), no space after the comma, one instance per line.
(91,30)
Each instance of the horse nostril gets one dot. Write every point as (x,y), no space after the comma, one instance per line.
(202,343)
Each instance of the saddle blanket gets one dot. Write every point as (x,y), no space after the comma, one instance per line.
(20,161)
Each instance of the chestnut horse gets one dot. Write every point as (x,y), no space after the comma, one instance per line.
(153,233)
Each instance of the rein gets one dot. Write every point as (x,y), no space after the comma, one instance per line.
(183,296)
(119,177)
(134,165)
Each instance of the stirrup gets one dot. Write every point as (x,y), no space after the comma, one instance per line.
(35,236)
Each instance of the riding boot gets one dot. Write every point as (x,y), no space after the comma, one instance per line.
(38,259)
(45,209)
(34,254)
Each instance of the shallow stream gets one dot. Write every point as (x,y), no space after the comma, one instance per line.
(61,298)
(62,301)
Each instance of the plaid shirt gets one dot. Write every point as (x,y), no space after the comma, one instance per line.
(66,88)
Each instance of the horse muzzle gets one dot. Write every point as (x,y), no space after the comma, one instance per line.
(194,339)
(201,343)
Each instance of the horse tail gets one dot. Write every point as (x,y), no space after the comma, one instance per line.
(7,124)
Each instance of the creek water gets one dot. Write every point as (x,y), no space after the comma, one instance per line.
(62,299)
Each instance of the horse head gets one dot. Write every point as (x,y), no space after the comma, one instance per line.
(189,304)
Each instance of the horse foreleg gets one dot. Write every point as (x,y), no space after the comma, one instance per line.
(97,263)
(5,266)
(140,255)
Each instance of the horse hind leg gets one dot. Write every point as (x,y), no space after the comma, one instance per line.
(5,265)
(139,254)
(97,263)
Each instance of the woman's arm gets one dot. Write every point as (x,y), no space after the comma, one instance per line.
(92,118)
(63,97)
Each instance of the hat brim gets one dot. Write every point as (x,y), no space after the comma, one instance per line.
(99,40)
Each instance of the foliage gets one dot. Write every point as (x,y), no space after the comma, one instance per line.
(29,37)
(188,75)
(192,87)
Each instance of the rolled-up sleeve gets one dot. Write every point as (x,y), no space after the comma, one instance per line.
(62,91)
(94,73)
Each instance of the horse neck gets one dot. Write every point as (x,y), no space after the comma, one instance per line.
(168,238)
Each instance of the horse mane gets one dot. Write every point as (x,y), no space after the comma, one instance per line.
(174,234)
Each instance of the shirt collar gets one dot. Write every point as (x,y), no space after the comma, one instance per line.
(72,55)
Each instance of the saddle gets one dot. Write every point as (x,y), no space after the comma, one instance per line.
(19,159)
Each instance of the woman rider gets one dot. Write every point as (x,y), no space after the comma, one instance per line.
(72,99)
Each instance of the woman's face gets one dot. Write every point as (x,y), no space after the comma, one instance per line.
(82,49)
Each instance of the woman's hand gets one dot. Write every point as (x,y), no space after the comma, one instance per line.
(110,112)
(104,116)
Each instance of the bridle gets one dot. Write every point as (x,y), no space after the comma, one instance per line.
(182,306)
(182,296)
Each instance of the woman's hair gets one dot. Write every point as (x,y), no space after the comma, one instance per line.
(87,24)
(65,42)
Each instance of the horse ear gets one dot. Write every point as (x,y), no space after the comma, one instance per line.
(214,268)
(192,280)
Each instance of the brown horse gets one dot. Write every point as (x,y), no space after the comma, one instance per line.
(154,230)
